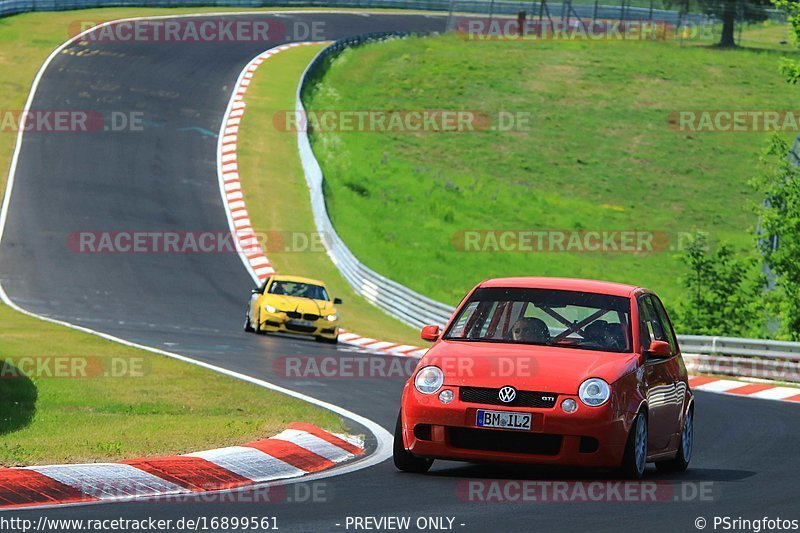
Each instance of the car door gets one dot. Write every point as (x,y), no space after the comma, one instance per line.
(674,368)
(660,383)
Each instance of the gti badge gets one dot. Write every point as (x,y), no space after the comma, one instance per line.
(507,394)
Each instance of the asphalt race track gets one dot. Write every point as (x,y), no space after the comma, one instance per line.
(165,178)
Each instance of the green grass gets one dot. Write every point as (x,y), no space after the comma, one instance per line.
(599,155)
(171,407)
(277,196)
(161,406)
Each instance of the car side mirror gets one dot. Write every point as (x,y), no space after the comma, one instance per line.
(255,291)
(430,333)
(337,301)
(659,350)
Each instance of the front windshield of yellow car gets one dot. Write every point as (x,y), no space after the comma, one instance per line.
(567,319)
(299,290)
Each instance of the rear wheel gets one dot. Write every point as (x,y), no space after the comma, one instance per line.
(635,458)
(405,460)
(681,461)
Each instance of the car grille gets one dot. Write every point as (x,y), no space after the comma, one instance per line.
(492,440)
(308,316)
(303,329)
(490,397)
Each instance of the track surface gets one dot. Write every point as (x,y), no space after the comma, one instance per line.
(164,178)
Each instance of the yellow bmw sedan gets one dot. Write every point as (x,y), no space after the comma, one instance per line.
(291,304)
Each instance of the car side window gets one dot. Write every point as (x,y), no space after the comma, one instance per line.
(667,325)
(651,327)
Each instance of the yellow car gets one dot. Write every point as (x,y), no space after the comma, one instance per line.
(291,304)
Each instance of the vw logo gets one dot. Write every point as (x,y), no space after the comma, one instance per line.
(507,394)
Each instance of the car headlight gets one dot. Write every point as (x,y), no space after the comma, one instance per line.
(429,380)
(333,317)
(270,309)
(594,392)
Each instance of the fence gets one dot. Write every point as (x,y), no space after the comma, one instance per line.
(661,10)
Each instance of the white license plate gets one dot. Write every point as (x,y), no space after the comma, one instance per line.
(503,419)
(304,323)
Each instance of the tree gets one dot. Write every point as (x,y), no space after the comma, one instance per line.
(728,11)
(780,220)
(724,292)
(792,9)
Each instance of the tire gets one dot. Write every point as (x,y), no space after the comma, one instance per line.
(684,454)
(248,326)
(405,460)
(257,325)
(634,460)
(326,340)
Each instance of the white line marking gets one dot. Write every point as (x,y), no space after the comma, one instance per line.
(383,438)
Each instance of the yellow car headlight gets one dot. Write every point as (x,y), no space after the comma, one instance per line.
(270,309)
(333,317)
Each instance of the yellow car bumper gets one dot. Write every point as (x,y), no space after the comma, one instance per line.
(280,322)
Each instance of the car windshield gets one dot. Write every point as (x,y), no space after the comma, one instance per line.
(300,290)
(545,317)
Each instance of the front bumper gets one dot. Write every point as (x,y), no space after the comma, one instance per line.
(589,437)
(281,323)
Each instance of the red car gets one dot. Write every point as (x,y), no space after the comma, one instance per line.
(550,371)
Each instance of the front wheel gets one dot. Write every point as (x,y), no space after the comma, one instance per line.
(405,460)
(248,326)
(635,458)
(334,340)
(681,461)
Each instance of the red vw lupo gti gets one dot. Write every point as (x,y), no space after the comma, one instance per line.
(550,371)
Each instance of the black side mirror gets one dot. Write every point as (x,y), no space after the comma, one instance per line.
(337,301)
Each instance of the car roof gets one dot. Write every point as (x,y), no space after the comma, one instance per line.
(564,284)
(297,279)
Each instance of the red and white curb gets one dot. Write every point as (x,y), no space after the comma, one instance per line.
(764,391)
(250,249)
(299,450)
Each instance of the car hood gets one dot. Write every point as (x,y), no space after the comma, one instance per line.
(538,368)
(301,305)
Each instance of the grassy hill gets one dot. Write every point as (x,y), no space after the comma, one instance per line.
(600,154)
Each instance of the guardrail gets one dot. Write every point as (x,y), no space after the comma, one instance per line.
(754,358)
(395,299)
(585,9)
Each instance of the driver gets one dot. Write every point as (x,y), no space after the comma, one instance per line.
(530,330)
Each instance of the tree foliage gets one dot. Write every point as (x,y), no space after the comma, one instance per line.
(780,219)
(724,292)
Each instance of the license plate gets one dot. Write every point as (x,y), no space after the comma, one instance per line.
(503,419)
(304,323)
